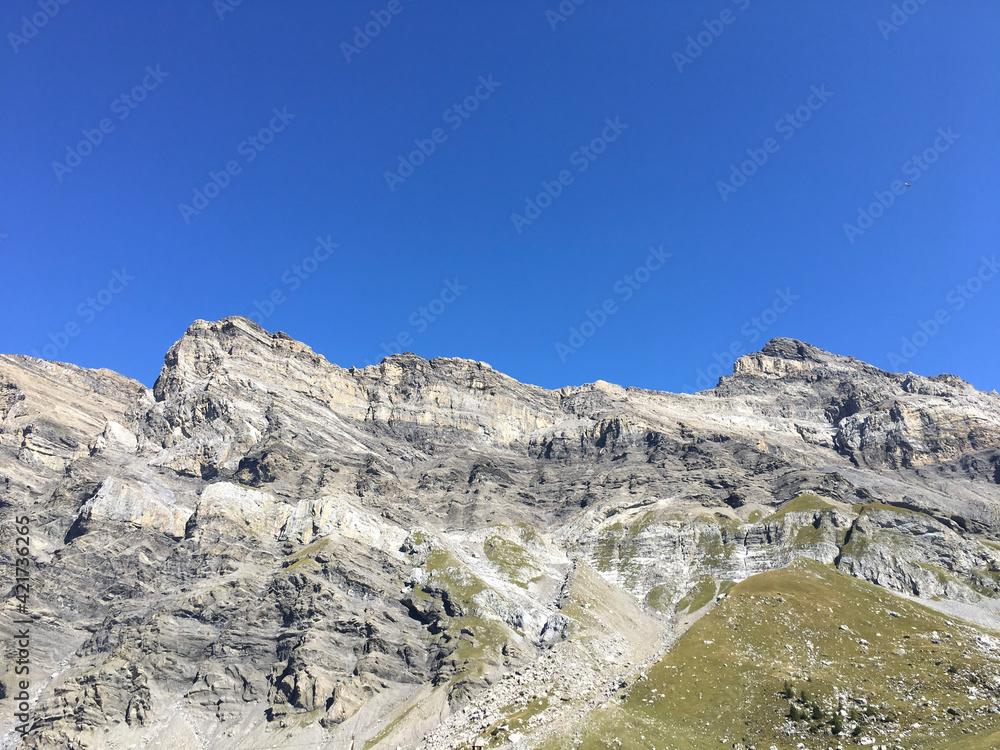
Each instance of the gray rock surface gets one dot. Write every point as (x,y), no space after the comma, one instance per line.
(268,550)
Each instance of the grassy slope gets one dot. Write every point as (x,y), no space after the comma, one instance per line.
(801,503)
(722,682)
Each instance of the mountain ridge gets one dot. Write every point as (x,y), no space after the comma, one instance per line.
(266,549)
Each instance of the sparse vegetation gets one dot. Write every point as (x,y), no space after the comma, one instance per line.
(804,502)
(700,594)
(771,665)
(515,563)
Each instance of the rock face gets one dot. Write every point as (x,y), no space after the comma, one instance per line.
(267,550)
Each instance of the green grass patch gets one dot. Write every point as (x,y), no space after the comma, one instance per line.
(470,655)
(981,742)
(446,572)
(660,598)
(419,537)
(300,559)
(869,507)
(641,524)
(715,550)
(802,503)
(700,594)
(515,563)
(304,565)
(724,680)
(606,550)
(725,587)
(808,535)
(528,533)
(719,519)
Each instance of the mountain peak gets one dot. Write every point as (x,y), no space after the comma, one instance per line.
(786,348)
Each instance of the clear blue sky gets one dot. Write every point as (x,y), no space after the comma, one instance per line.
(634,127)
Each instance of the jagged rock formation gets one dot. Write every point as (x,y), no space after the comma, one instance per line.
(267,550)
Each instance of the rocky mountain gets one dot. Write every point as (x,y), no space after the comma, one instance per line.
(269,551)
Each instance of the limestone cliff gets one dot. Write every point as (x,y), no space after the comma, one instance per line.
(268,550)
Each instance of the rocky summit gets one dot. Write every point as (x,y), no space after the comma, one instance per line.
(266,550)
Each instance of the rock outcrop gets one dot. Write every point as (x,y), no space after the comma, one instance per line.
(266,549)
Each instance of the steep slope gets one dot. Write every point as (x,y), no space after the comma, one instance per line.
(266,549)
(808,655)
